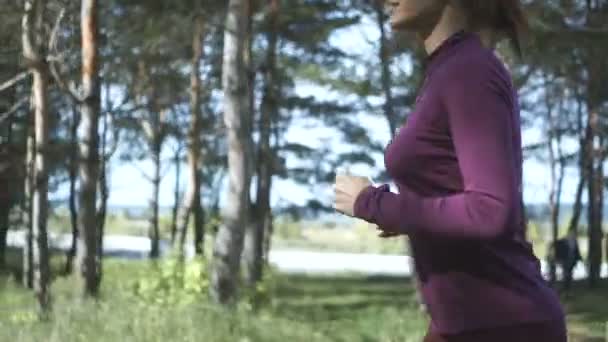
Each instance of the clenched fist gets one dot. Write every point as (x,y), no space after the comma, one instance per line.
(347,188)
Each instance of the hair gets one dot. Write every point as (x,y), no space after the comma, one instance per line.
(503,17)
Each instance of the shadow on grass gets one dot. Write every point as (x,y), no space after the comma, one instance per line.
(587,310)
(329,298)
(323,298)
(322,286)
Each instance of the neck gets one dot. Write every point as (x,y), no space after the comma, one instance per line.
(451,21)
(487,37)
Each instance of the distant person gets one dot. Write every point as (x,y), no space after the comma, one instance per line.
(457,164)
(565,253)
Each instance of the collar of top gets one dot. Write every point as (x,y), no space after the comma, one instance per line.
(446,47)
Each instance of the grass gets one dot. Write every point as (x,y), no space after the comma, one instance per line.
(134,306)
(360,237)
(345,308)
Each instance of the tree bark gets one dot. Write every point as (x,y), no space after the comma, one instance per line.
(32,41)
(192,201)
(267,240)
(73,175)
(185,222)
(577,208)
(87,250)
(4,225)
(551,137)
(176,195)
(8,173)
(104,190)
(594,59)
(276,135)
(594,210)
(154,206)
(194,155)
(253,252)
(229,239)
(576,211)
(27,263)
(384,54)
(561,172)
(250,233)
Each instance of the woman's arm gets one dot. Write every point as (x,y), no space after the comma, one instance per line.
(479,105)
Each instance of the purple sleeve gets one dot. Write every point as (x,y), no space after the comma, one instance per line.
(479,108)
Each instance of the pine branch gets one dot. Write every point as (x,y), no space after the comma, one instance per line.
(141,171)
(18,78)
(69,89)
(13,109)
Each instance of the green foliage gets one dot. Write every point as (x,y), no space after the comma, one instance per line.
(287,308)
(534,231)
(173,282)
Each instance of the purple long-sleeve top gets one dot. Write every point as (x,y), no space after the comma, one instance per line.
(457,164)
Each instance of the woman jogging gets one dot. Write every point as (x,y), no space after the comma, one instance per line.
(457,163)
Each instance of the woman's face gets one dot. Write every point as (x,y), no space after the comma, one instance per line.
(415,15)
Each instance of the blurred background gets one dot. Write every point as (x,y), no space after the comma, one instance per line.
(166,167)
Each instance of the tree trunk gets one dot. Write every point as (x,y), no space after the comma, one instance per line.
(229,239)
(176,195)
(87,251)
(250,233)
(577,208)
(561,173)
(73,174)
(594,211)
(4,223)
(7,176)
(594,96)
(154,207)
(192,201)
(40,253)
(276,135)
(185,222)
(598,233)
(32,41)
(557,179)
(583,138)
(27,264)
(104,191)
(194,155)
(254,239)
(250,73)
(551,130)
(267,243)
(384,54)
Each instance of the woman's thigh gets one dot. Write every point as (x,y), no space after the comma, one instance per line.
(552,331)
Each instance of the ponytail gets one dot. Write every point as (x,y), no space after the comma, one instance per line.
(513,22)
(504,17)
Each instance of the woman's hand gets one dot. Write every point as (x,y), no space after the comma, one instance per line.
(347,188)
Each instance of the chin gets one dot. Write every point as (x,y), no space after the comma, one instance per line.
(404,24)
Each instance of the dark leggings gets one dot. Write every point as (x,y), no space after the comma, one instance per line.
(551,331)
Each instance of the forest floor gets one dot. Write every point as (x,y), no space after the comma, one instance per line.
(141,301)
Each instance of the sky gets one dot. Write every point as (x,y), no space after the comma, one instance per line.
(130,188)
